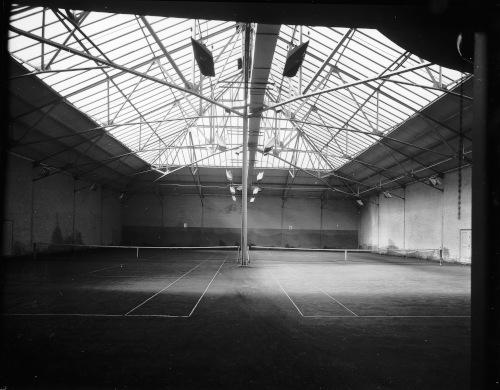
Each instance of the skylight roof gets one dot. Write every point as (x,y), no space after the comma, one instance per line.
(151,100)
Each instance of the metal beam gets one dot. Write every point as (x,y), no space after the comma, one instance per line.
(347,85)
(328,59)
(266,36)
(119,67)
(165,52)
(310,174)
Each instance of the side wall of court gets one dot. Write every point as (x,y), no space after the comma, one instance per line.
(424,219)
(150,219)
(55,208)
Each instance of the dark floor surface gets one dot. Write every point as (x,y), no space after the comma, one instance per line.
(199,321)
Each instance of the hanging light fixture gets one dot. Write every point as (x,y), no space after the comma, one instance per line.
(260,175)
(234,198)
(387,194)
(294,59)
(203,57)
(360,202)
(255,190)
(232,190)
(252,199)
(229,175)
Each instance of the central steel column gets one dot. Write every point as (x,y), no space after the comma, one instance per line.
(244,176)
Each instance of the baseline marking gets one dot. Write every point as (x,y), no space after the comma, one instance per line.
(291,300)
(386,316)
(186,316)
(88,315)
(164,288)
(340,303)
(206,289)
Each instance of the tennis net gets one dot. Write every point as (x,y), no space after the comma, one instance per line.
(51,251)
(349,255)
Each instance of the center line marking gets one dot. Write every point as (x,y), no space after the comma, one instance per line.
(102,269)
(206,289)
(164,288)
(340,303)
(291,300)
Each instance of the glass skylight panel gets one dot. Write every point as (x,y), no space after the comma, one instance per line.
(313,132)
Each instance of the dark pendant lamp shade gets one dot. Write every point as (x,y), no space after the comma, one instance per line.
(294,59)
(204,58)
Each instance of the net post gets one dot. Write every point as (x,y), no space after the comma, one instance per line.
(440,256)
(137,253)
(34,251)
(345,255)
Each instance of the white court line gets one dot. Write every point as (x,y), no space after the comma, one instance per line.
(386,316)
(206,289)
(282,289)
(163,289)
(185,316)
(102,269)
(60,315)
(340,303)
(88,315)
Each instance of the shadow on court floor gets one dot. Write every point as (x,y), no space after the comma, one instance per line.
(199,321)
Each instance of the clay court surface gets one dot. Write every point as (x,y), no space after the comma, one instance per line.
(195,319)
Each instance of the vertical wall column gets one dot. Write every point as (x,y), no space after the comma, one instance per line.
(485,210)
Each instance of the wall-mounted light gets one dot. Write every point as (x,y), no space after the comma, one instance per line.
(435,181)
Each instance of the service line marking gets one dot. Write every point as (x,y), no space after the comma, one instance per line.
(206,289)
(340,303)
(164,288)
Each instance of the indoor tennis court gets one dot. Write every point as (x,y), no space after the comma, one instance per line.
(196,197)
(327,317)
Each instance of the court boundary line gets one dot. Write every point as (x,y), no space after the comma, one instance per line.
(387,316)
(340,303)
(206,288)
(185,316)
(164,288)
